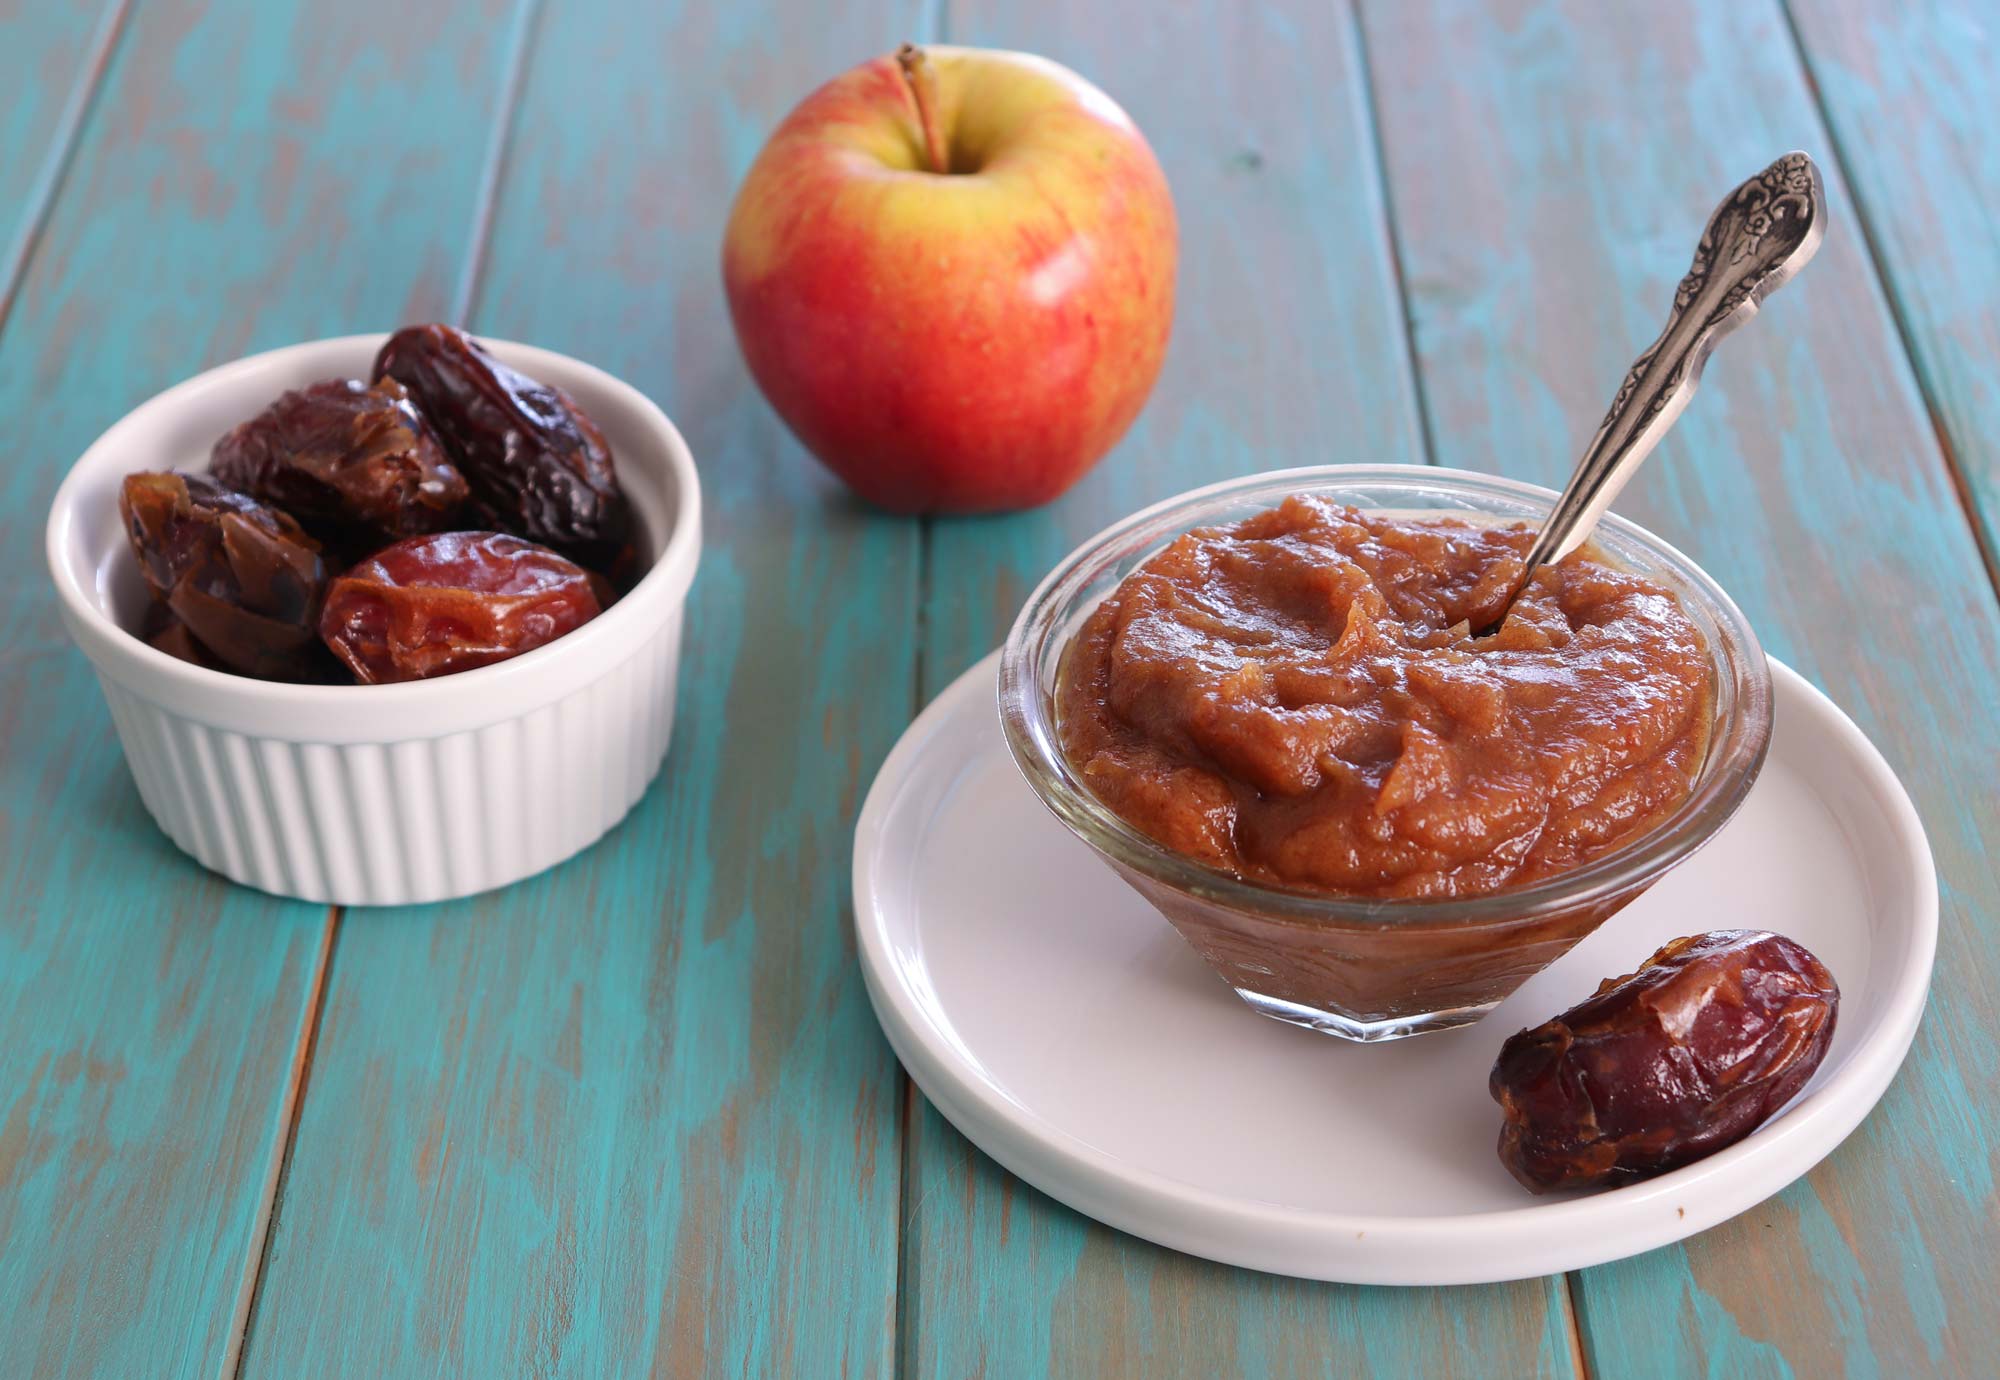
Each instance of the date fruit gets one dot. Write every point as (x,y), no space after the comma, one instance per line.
(539,468)
(1664,1066)
(352,461)
(162,631)
(435,605)
(243,579)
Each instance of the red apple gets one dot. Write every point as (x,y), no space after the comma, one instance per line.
(953,276)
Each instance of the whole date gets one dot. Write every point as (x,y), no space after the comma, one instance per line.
(350,459)
(435,605)
(538,467)
(243,579)
(1666,1065)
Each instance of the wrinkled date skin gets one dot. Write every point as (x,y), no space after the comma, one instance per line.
(353,461)
(432,606)
(164,632)
(244,580)
(538,467)
(1664,1066)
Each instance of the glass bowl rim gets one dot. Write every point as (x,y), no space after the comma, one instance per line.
(1736,749)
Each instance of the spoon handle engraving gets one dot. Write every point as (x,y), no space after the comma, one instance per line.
(1759,237)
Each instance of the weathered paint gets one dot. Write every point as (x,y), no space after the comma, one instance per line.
(1550,166)
(1908,91)
(230,190)
(634,1116)
(51,67)
(1289,350)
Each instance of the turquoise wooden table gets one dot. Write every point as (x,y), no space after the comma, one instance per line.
(634,1116)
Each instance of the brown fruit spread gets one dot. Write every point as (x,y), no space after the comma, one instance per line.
(1294,699)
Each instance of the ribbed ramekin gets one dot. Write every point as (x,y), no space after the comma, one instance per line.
(388,794)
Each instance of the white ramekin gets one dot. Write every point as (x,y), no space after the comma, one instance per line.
(381,795)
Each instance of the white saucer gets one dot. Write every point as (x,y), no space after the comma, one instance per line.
(1057,1020)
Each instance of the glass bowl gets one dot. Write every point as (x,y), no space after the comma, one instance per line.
(1365,968)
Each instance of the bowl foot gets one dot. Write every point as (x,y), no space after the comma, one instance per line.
(1360,1030)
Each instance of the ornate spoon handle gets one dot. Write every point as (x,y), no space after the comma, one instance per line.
(1762,234)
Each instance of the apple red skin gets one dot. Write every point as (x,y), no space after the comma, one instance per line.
(964,343)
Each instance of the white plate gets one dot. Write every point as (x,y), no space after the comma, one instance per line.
(1058,1021)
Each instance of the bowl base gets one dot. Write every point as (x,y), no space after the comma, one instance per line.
(1360,1031)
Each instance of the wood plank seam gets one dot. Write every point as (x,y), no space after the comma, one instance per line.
(1905,332)
(933,25)
(174,144)
(62,148)
(293,1099)
(1962,488)
(1391,232)
(1822,448)
(1573,1305)
(493,167)
(1269,165)
(934,22)
(464,299)
(901,1359)
(694,1247)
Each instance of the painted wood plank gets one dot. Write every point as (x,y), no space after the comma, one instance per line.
(1288,350)
(1550,164)
(1908,92)
(1288,345)
(244,180)
(634,1116)
(51,64)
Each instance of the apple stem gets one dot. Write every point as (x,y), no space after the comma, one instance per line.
(921,78)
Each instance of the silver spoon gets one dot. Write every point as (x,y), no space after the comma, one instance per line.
(1761,234)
